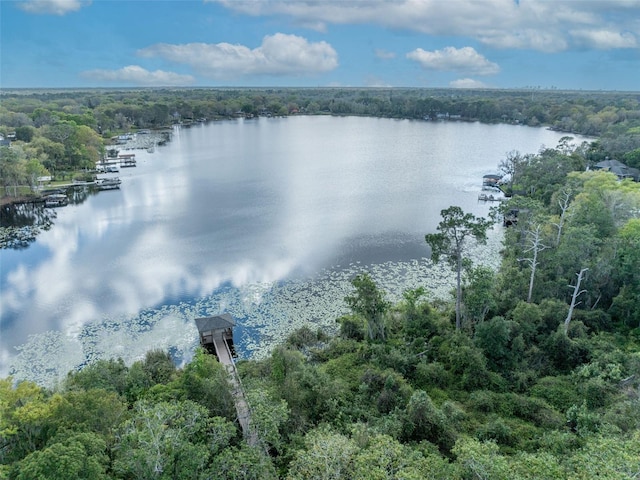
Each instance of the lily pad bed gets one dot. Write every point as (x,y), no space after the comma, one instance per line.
(17,237)
(266,313)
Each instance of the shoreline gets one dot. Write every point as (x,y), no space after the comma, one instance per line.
(12,236)
(21,199)
(142,140)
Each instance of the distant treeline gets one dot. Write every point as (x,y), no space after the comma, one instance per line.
(586,113)
(61,129)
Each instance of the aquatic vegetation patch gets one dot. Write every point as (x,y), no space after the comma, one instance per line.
(266,313)
(18,237)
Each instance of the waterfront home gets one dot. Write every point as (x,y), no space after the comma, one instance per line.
(619,169)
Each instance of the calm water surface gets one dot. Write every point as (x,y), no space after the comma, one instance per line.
(226,213)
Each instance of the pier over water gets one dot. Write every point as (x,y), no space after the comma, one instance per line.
(216,337)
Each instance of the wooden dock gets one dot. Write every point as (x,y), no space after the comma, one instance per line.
(216,332)
(484,197)
(242,407)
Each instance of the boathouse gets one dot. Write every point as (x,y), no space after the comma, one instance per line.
(216,330)
(491,180)
(216,337)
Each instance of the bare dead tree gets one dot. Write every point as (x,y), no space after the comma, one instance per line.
(535,246)
(563,202)
(574,297)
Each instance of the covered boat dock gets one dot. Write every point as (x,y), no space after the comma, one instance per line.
(216,337)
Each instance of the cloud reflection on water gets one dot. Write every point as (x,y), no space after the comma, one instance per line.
(242,204)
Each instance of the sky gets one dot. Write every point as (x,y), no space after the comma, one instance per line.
(547,44)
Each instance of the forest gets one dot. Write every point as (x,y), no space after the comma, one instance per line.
(61,133)
(530,371)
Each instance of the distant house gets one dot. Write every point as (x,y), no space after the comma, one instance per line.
(619,169)
(4,142)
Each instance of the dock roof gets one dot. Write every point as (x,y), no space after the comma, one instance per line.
(217,322)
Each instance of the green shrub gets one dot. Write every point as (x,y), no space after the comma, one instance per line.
(454,412)
(498,430)
(394,394)
(558,442)
(83,177)
(535,410)
(346,367)
(424,421)
(595,320)
(338,346)
(559,392)
(529,318)
(305,337)
(388,356)
(624,415)
(581,420)
(553,312)
(464,361)
(493,337)
(351,327)
(482,401)
(521,380)
(432,374)
(564,352)
(596,392)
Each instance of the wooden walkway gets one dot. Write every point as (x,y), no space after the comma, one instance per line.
(242,407)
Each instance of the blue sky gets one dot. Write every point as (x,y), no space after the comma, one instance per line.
(564,44)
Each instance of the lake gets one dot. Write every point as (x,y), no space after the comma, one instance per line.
(267,219)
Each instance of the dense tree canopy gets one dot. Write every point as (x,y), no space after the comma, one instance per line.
(399,392)
(67,131)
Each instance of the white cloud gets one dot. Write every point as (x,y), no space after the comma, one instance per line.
(52,7)
(467,83)
(525,38)
(279,54)
(384,54)
(464,59)
(139,76)
(524,24)
(604,39)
